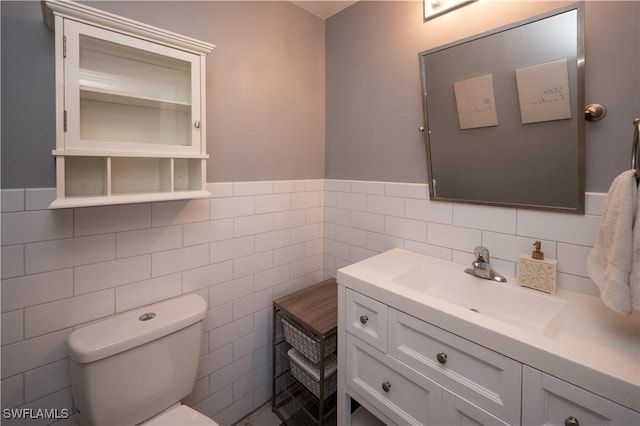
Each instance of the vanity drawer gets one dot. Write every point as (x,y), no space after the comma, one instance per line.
(396,390)
(367,319)
(550,401)
(474,372)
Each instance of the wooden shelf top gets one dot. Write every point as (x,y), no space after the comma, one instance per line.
(315,307)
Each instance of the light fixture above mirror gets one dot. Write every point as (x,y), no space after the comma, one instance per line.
(435,8)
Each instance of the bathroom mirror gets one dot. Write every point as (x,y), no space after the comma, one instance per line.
(504,115)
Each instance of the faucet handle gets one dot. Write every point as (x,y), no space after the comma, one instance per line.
(482,254)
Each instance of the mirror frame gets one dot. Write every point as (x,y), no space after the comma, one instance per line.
(579,103)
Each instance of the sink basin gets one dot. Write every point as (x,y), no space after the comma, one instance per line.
(507,302)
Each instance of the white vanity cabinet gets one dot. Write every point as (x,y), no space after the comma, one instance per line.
(408,371)
(130,109)
(415,373)
(547,400)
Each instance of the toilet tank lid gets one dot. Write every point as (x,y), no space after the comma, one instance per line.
(133,328)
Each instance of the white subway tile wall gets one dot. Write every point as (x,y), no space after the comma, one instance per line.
(249,243)
(61,269)
(366,218)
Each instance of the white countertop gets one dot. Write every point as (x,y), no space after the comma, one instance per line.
(593,347)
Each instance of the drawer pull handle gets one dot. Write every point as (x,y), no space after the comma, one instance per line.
(442,358)
(364,319)
(386,386)
(571,421)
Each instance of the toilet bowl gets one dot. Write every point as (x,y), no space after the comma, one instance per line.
(134,368)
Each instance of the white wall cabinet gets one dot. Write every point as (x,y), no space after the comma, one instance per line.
(407,371)
(130,109)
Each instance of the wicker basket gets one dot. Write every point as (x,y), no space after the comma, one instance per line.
(308,373)
(306,344)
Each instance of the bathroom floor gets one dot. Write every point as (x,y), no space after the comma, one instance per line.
(262,417)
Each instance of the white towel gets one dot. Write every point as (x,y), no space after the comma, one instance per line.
(616,251)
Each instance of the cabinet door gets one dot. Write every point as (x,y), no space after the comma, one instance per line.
(367,319)
(125,94)
(457,411)
(396,390)
(547,400)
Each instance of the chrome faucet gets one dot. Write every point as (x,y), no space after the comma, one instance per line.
(481,267)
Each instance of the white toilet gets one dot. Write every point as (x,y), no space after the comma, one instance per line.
(134,368)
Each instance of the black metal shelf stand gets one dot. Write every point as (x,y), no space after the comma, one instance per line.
(292,401)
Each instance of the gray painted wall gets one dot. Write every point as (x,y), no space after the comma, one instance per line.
(265,87)
(373,83)
(28,97)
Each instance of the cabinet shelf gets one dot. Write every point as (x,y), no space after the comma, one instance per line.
(117,97)
(73,153)
(83,201)
(97,180)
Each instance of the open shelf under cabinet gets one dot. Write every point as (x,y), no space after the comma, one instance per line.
(100,180)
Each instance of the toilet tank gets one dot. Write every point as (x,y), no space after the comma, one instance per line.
(130,367)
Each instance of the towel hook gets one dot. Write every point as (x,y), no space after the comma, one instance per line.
(594,112)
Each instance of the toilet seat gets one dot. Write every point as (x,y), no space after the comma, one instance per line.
(181,415)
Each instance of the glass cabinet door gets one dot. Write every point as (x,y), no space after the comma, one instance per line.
(126,94)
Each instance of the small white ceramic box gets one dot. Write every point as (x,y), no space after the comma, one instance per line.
(537,274)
